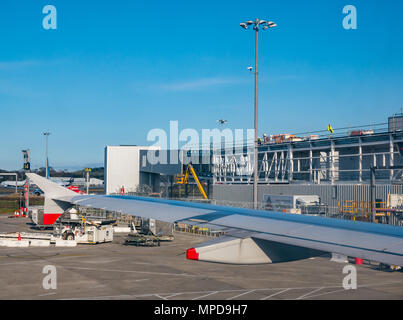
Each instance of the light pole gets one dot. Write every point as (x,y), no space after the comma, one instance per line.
(265,25)
(46,134)
(87,178)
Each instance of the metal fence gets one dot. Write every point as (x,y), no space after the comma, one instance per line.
(347,200)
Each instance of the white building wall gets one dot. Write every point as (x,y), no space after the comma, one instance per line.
(122,168)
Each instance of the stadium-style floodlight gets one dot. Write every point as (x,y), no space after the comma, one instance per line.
(271,24)
(265,25)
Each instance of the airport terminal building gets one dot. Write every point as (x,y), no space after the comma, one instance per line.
(336,167)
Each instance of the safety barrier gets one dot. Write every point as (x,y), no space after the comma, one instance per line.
(65,243)
(15,243)
(39,243)
(339,258)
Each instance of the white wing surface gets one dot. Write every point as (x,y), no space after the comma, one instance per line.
(254,236)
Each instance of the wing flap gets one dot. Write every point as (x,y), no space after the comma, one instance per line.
(249,250)
(366,245)
(229,250)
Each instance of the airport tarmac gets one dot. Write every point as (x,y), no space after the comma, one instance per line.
(116,271)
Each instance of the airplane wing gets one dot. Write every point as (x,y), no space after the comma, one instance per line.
(252,236)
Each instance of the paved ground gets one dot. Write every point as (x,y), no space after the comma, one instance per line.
(115,271)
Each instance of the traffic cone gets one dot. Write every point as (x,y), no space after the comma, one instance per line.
(19,236)
(358,261)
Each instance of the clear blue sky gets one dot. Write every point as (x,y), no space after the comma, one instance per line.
(113,70)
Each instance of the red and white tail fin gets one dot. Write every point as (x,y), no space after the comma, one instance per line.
(54,195)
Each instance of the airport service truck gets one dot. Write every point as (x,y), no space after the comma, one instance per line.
(83,230)
(296,204)
(70,226)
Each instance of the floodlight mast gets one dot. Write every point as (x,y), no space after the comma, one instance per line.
(265,25)
(46,134)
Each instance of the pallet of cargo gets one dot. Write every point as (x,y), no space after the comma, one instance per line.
(146,240)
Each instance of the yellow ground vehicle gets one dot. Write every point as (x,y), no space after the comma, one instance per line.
(184,179)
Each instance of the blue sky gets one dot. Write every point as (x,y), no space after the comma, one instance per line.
(113,70)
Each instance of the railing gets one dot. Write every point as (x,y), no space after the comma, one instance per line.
(361,209)
(202,231)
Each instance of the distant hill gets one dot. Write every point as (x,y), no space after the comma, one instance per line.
(95,173)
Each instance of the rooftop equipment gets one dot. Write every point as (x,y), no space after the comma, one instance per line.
(395,123)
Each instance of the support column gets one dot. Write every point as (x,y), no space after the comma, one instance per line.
(332,162)
(310,164)
(276,169)
(291,167)
(359,160)
(372,194)
(391,157)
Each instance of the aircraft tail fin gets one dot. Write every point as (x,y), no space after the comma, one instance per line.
(52,190)
(54,193)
